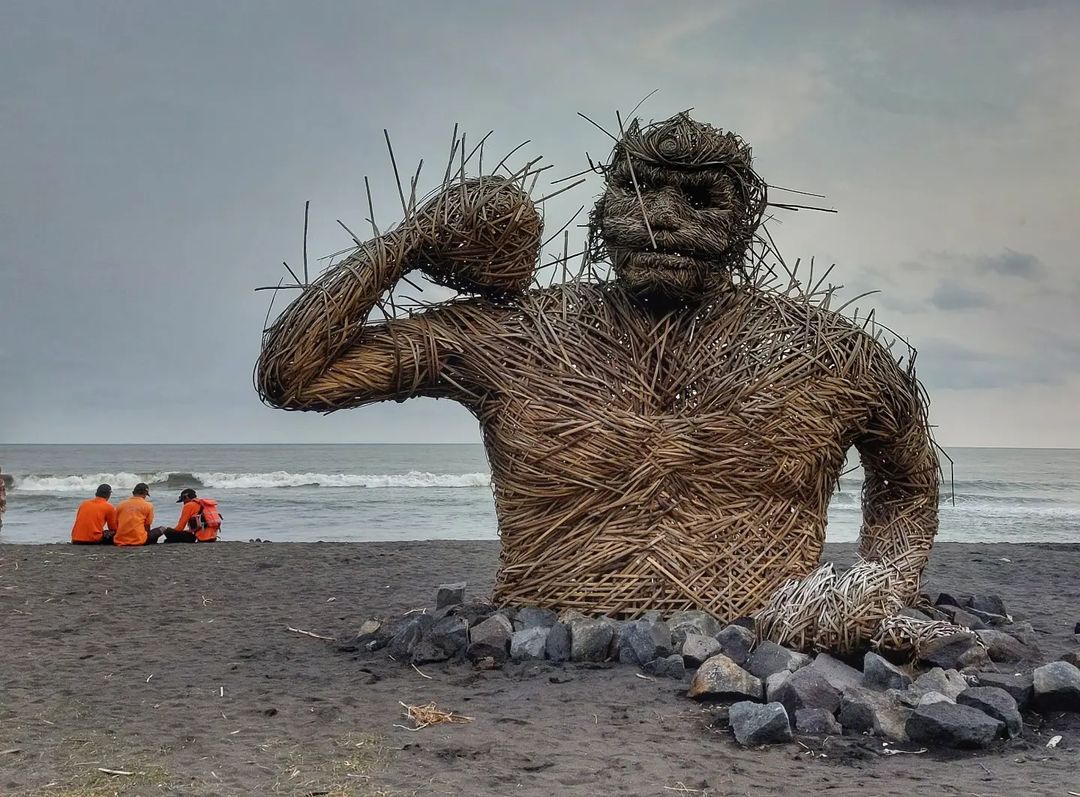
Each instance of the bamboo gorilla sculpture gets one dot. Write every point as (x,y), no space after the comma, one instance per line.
(664,440)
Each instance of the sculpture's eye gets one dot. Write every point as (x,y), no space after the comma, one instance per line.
(698,196)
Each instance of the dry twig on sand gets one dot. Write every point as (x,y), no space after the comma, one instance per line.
(311,634)
(430,714)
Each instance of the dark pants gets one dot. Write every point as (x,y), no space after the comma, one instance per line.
(180,536)
(106,539)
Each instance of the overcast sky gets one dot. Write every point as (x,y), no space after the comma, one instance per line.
(155,158)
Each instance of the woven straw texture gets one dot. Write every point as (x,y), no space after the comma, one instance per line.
(665,440)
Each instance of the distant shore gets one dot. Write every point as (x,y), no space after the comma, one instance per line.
(178,664)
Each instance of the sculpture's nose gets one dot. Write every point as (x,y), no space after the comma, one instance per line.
(662,213)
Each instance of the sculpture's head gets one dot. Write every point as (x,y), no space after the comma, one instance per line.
(696,187)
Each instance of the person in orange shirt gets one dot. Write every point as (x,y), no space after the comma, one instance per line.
(135,518)
(199,520)
(93,518)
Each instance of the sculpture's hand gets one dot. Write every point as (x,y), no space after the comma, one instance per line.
(478,236)
(825,611)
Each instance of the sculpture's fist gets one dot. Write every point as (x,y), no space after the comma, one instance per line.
(478,236)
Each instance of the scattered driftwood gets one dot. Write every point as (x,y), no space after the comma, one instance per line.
(428,715)
(311,634)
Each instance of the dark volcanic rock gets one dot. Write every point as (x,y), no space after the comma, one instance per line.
(837,674)
(490,639)
(590,638)
(947,599)
(450,595)
(1019,686)
(807,688)
(427,652)
(408,636)
(996,703)
(881,674)
(697,648)
(955,652)
(736,642)
(642,641)
(963,617)
(692,621)
(988,604)
(1024,632)
(475,612)
(952,725)
(769,658)
(533,617)
(720,678)
(1072,657)
(668,667)
(1001,646)
(865,711)
(451,634)
(817,722)
(756,724)
(947,682)
(557,647)
(1056,687)
(529,643)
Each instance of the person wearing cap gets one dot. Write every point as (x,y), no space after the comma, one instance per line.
(190,527)
(95,522)
(135,519)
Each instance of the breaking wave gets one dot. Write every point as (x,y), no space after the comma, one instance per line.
(88,482)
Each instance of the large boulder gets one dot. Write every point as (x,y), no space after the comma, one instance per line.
(668,667)
(837,674)
(736,642)
(529,643)
(1023,632)
(642,641)
(557,647)
(866,711)
(807,688)
(720,678)
(534,617)
(450,595)
(692,621)
(817,722)
(590,638)
(756,724)
(1004,647)
(944,724)
(1056,687)
(769,658)
(450,635)
(408,636)
(1072,657)
(881,674)
(1019,685)
(773,684)
(988,604)
(947,682)
(490,639)
(958,651)
(697,648)
(996,703)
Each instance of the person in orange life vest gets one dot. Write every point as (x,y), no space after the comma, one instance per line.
(199,520)
(93,518)
(134,518)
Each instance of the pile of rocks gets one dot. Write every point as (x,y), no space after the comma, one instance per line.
(965,691)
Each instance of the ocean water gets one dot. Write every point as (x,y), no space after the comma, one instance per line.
(417,492)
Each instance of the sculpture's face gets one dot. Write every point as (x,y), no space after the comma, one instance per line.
(681,205)
(694,217)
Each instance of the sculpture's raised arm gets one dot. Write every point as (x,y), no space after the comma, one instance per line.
(480,236)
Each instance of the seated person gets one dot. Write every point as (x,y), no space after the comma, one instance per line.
(199,520)
(95,522)
(134,519)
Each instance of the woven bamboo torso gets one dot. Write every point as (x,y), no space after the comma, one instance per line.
(643,460)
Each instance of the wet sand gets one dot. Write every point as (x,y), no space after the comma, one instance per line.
(176,665)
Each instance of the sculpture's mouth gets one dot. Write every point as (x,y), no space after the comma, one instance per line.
(658,266)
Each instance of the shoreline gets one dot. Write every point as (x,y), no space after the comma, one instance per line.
(178,663)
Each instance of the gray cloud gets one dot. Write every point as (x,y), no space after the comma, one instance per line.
(951,296)
(1011,263)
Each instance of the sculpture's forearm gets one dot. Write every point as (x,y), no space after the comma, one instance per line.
(900,500)
(324,324)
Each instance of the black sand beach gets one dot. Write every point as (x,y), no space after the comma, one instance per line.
(177,665)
